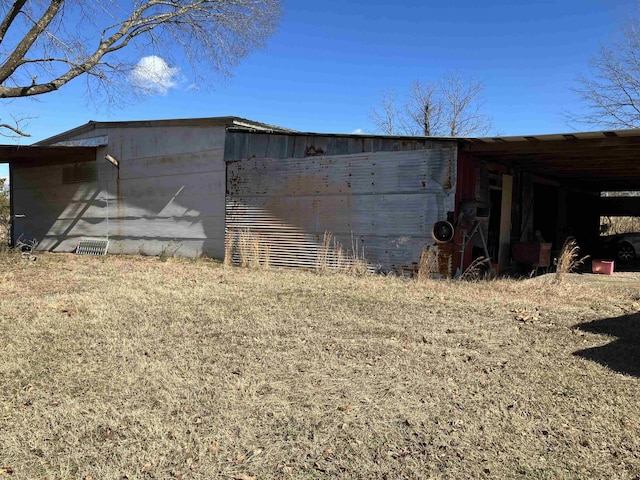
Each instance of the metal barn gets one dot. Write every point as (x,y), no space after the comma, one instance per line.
(199,184)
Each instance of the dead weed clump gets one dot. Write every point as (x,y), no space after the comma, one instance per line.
(333,258)
(247,249)
(476,271)
(428,266)
(22,251)
(569,260)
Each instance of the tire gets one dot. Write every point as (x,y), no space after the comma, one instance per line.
(626,252)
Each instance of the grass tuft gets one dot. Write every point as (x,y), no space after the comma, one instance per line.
(246,249)
(569,260)
(429,265)
(332,257)
(476,271)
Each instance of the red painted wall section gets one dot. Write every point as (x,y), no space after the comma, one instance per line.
(466,179)
(465,190)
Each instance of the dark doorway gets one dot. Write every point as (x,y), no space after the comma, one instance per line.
(545,213)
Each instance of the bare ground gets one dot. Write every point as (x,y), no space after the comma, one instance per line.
(128,367)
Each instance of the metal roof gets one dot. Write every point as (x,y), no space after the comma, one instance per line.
(596,161)
(228,121)
(349,135)
(557,136)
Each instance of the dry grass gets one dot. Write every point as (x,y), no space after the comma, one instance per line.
(4,231)
(428,266)
(477,270)
(333,258)
(616,225)
(247,249)
(569,260)
(128,367)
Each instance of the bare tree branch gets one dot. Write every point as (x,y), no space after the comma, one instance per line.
(611,93)
(10,17)
(386,119)
(46,44)
(452,106)
(13,60)
(15,130)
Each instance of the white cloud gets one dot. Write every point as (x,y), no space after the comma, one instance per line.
(358,131)
(153,75)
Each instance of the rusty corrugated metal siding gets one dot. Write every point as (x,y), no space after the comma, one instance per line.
(288,190)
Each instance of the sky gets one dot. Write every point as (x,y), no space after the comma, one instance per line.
(329,63)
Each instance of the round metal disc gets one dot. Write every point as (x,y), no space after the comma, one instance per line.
(442,231)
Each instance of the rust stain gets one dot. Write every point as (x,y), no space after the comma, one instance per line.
(312,151)
(119,206)
(448,184)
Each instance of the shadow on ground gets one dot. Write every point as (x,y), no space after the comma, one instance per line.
(622,354)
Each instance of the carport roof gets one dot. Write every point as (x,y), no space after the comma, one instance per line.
(25,154)
(596,161)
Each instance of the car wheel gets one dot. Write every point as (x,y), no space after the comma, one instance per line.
(626,252)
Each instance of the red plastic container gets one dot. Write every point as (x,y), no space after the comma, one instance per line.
(604,267)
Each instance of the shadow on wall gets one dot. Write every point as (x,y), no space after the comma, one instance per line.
(140,215)
(622,354)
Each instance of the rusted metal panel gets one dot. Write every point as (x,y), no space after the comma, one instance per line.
(382,203)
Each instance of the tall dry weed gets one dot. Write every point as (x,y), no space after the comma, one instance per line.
(332,257)
(569,259)
(247,249)
(429,266)
(476,271)
(228,248)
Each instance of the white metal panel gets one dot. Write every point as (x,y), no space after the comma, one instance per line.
(170,187)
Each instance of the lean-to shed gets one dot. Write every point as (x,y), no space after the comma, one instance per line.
(168,187)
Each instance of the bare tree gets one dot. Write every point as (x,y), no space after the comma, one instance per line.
(44,44)
(451,106)
(611,93)
(386,119)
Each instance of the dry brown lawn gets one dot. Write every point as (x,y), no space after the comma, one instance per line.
(133,368)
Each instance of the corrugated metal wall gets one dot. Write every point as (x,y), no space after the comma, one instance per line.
(380,194)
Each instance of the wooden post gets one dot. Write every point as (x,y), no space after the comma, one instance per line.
(504,242)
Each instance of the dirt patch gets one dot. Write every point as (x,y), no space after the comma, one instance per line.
(128,367)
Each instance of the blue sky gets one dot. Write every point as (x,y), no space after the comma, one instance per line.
(329,62)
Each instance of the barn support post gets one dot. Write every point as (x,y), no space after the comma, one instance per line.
(504,242)
(527,201)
